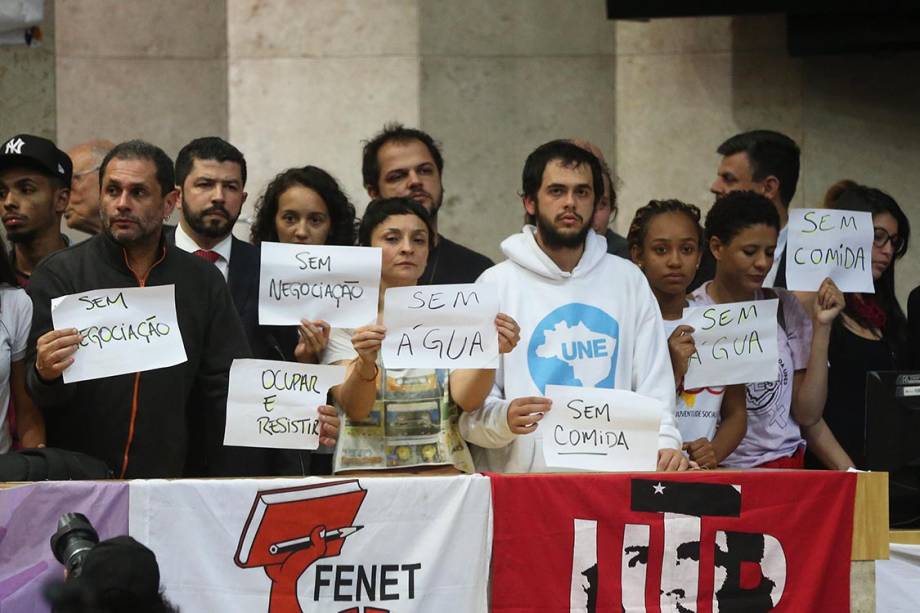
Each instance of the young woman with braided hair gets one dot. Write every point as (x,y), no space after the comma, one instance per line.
(665,241)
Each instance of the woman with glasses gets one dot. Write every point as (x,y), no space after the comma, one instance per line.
(870,334)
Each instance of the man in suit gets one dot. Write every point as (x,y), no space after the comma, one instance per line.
(211,181)
(765,162)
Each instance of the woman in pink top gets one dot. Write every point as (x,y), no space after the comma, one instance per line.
(741,229)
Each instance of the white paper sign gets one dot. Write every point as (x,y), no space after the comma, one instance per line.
(124,330)
(441,326)
(339,285)
(829,243)
(735,343)
(599,429)
(274,404)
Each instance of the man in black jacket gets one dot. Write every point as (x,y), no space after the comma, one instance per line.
(406,162)
(141,424)
(211,179)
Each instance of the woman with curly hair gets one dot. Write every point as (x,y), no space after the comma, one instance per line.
(305,206)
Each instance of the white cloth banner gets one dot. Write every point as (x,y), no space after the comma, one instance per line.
(274,404)
(399,544)
(735,342)
(597,429)
(123,330)
(441,326)
(339,285)
(897,580)
(829,243)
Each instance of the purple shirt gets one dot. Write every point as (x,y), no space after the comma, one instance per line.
(772,433)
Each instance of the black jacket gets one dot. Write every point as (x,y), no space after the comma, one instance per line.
(97,416)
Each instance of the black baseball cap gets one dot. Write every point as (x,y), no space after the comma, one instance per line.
(36,152)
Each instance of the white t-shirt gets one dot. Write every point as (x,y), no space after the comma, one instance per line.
(15,322)
(698,410)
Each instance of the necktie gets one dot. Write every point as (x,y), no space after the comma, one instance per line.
(207,254)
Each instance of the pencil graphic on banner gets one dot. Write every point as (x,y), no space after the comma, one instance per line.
(304,541)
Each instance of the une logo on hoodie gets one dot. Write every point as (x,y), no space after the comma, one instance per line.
(576,345)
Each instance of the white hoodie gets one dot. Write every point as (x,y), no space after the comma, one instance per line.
(571,324)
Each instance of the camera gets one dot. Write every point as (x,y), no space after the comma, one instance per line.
(74,539)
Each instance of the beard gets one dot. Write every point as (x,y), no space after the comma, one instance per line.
(21,235)
(216,227)
(555,239)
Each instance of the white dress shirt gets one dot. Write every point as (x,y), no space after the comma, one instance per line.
(777,256)
(185,243)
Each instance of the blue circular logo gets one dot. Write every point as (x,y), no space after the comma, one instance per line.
(576,345)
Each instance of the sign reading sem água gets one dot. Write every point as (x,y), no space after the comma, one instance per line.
(600,429)
(274,404)
(440,326)
(339,285)
(735,342)
(123,330)
(829,243)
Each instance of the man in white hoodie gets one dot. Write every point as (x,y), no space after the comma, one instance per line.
(563,288)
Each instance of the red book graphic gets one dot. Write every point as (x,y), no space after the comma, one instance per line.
(280,521)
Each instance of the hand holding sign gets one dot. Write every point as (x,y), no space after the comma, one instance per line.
(339,285)
(525,413)
(828,303)
(829,243)
(735,343)
(312,338)
(281,404)
(121,331)
(54,352)
(681,347)
(443,326)
(601,429)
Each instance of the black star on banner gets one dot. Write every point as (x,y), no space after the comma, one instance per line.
(685,497)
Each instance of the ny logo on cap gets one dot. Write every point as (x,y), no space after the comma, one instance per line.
(15,146)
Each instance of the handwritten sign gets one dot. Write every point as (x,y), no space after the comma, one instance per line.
(123,330)
(829,243)
(337,284)
(441,326)
(599,429)
(274,404)
(735,343)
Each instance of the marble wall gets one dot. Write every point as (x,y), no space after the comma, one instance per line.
(139,69)
(310,79)
(293,82)
(27,78)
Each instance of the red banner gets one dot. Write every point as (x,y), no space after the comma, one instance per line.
(700,542)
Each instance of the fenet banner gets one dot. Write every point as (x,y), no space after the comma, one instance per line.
(695,543)
(334,545)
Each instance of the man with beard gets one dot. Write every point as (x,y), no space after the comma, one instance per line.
(34,188)
(587,318)
(405,162)
(765,162)
(138,423)
(211,181)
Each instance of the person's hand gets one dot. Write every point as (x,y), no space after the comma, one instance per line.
(524,413)
(367,341)
(702,452)
(312,338)
(681,346)
(54,352)
(670,460)
(828,302)
(509,333)
(328,425)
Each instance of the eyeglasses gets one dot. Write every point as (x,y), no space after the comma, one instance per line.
(881,238)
